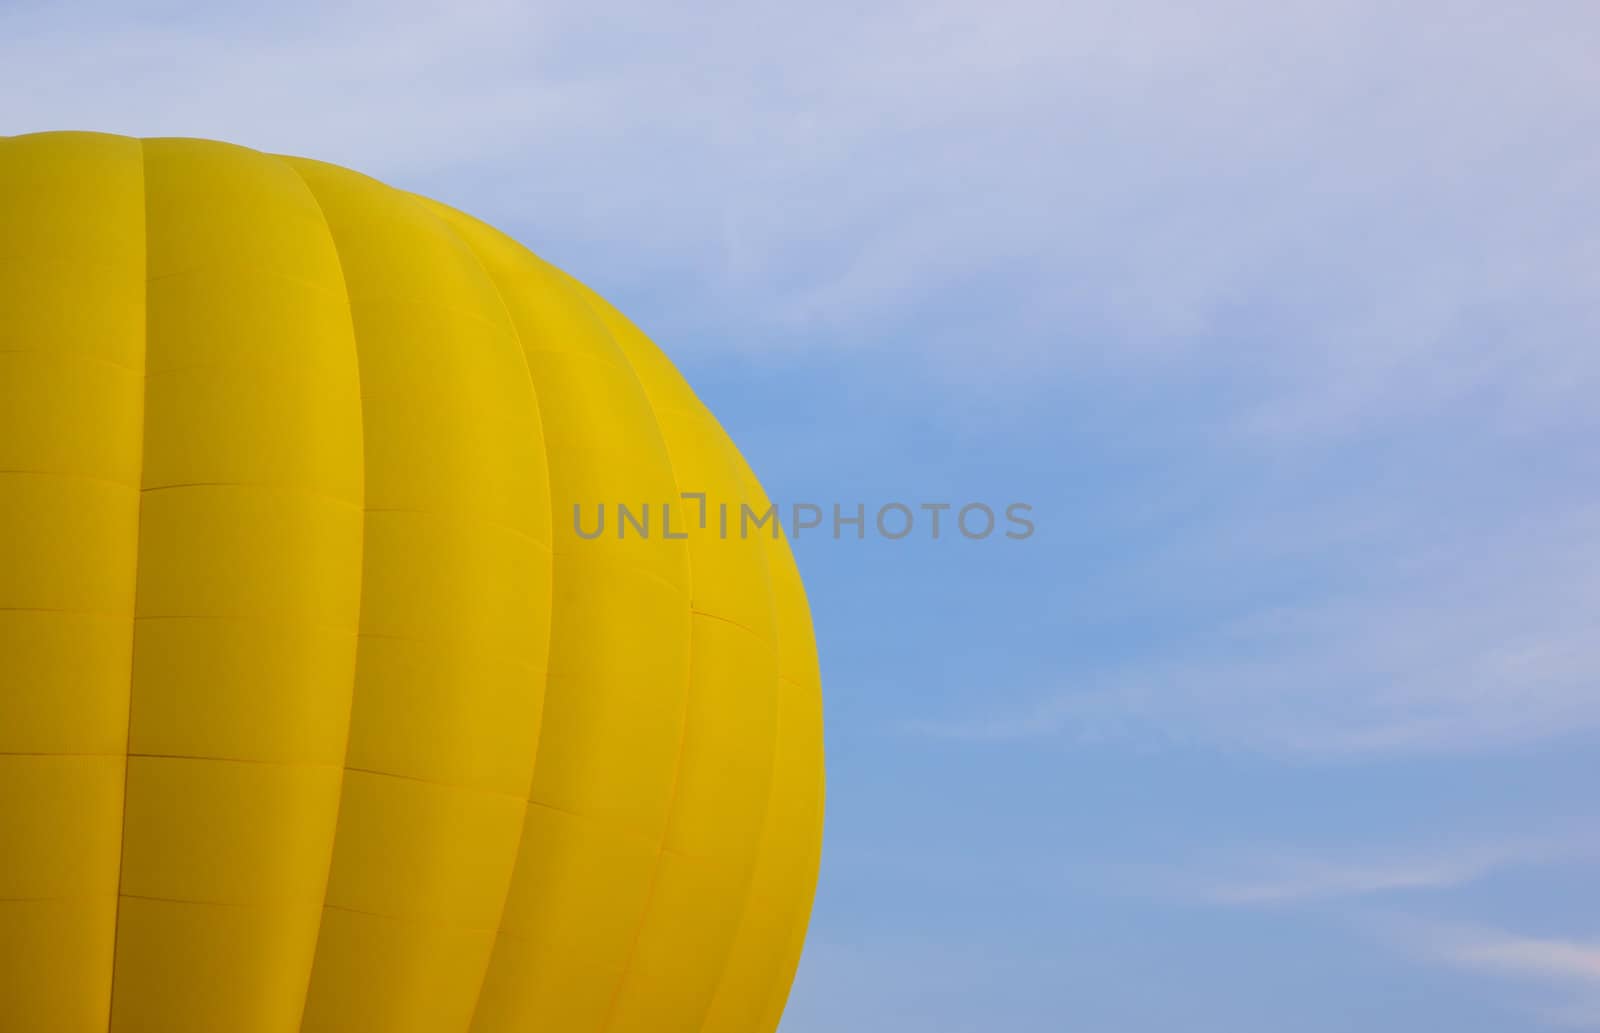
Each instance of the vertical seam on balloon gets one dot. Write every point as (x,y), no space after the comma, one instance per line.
(538,411)
(133,623)
(573,292)
(779,982)
(683,728)
(746,479)
(779,995)
(778,991)
(783,986)
(361,581)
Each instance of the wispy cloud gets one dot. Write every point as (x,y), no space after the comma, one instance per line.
(1561,976)
(1347,211)
(1555,979)
(1526,955)
(1298,877)
(1479,638)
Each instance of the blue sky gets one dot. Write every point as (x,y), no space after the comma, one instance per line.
(1284,317)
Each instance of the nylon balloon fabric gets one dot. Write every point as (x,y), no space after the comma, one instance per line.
(316,712)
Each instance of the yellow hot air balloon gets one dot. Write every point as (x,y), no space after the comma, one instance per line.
(316,713)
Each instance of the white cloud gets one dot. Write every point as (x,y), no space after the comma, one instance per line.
(1297,877)
(1561,975)
(1420,637)
(1346,207)
(1352,218)
(1528,955)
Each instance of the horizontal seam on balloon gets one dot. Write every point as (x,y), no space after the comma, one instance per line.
(248,365)
(386,636)
(476,790)
(70,354)
(685,855)
(460,518)
(254,271)
(514,659)
(258,902)
(263,618)
(270,618)
(74,476)
(274,485)
(424,920)
(450,310)
(729,620)
(314,765)
(626,568)
(569,812)
(64,611)
(609,360)
(76,260)
(517,936)
(610,821)
(64,754)
(56,898)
